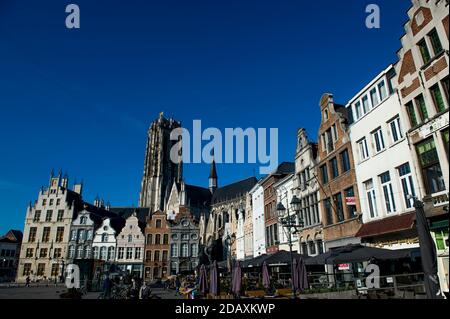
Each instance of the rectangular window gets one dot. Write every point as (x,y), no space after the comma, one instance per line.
(388,192)
(424,51)
(396,130)
(59,234)
(41,270)
(304,248)
(57,253)
(174,250)
(334,133)
(312,248)
(411,114)
(80,252)
(431,168)
(43,252)
(421,106)
(445,138)
(363,149)
(165,255)
(365,102)
(46,235)
(275,230)
(32,235)
(328,211)
(324,174)
(337,199)
(437,98)
(382,90)
(121,253)
(73,235)
(374,97)
(371,198)
(184,250)
(129,253)
(55,270)
(60,215)
(350,115)
(29,253)
(137,253)
(194,250)
(48,217)
(351,209)
(37,216)
(378,140)
(358,109)
(329,139)
(320,246)
(316,207)
(446,86)
(334,167)
(26,269)
(435,42)
(406,180)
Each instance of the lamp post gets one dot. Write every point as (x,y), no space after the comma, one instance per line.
(291,227)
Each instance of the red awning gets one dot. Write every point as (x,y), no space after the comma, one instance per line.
(387,225)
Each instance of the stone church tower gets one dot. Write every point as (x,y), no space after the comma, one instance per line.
(159,171)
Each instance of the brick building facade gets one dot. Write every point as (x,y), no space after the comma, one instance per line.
(338,188)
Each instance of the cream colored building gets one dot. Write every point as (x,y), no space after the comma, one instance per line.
(47,229)
(306,188)
(130,247)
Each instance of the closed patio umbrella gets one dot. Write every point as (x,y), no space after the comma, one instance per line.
(237,279)
(302,275)
(428,253)
(295,277)
(203,280)
(214,279)
(265,276)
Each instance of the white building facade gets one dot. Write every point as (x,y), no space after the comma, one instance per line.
(240,234)
(248,228)
(285,190)
(104,243)
(384,166)
(259,228)
(47,229)
(130,247)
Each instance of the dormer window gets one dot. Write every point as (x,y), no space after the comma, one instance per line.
(325,115)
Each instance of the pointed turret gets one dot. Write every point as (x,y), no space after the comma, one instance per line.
(213,176)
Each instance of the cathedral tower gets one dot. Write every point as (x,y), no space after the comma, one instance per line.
(159,171)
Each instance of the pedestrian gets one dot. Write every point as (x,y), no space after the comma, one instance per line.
(177,285)
(107,287)
(27,281)
(144,292)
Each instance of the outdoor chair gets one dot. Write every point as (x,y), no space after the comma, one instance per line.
(283,292)
(255,293)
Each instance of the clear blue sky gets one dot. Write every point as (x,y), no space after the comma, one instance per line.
(81,100)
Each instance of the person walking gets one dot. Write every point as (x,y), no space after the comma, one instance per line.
(27,281)
(107,288)
(144,292)
(177,285)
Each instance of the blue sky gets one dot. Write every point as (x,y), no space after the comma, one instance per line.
(81,100)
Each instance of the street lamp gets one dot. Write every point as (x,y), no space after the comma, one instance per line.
(292,227)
